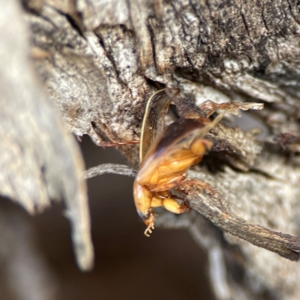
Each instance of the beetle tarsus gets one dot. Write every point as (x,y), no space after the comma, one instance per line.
(149,230)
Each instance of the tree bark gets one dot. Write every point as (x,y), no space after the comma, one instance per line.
(101,60)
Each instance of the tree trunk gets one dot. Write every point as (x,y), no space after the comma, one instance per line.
(101,60)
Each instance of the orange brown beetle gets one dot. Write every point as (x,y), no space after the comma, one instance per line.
(167,155)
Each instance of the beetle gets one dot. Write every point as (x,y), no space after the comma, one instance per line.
(166,155)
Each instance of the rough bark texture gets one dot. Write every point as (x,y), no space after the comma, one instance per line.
(101,60)
(39,160)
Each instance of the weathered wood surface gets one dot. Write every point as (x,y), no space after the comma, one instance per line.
(39,160)
(101,60)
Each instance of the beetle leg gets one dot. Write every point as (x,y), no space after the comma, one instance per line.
(156,202)
(209,107)
(169,184)
(149,230)
(169,204)
(149,221)
(173,206)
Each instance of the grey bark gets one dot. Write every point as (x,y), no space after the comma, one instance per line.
(39,160)
(101,60)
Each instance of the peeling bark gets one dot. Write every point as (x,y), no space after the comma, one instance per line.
(39,160)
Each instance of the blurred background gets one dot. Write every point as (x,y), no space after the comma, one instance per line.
(37,260)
